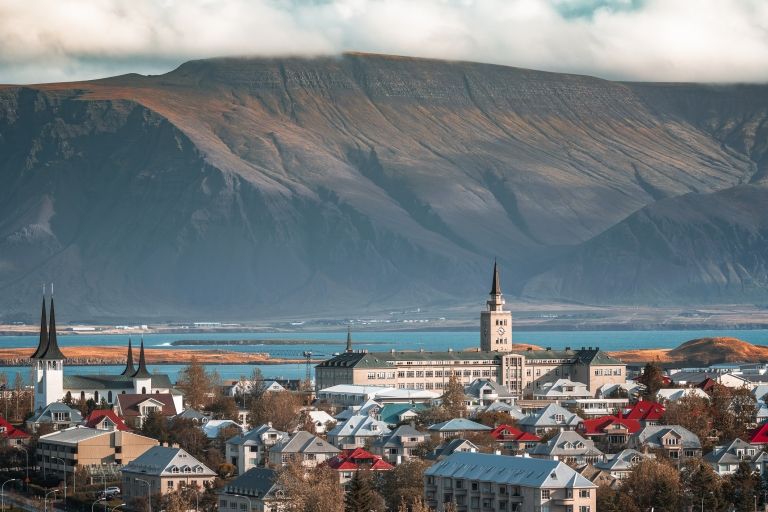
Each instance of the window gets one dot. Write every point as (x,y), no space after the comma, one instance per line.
(583,508)
(583,493)
(545,494)
(459,484)
(170,484)
(371,375)
(474,486)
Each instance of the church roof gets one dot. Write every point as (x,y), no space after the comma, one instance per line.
(51,350)
(129,368)
(43,342)
(142,372)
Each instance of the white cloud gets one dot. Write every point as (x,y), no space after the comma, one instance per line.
(680,40)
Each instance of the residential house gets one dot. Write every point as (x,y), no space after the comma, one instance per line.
(309,449)
(759,436)
(348,462)
(514,411)
(611,431)
(598,476)
(213,428)
(320,420)
(134,409)
(395,414)
(162,470)
(678,442)
(552,417)
(356,431)
(251,449)
(475,481)
(11,436)
(672,395)
(57,415)
(457,427)
(725,459)
(81,447)
(194,415)
(257,488)
(453,446)
(569,447)
(561,389)
(369,408)
(483,392)
(620,464)
(513,439)
(399,445)
(595,407)
(105,419)
(647,413)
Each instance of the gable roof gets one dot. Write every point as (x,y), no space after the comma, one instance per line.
(129,404)
(645,411)
(394,438)
(46,415)
(360,426)
(213,428)
(760,434)
(510,433)
(730,454)
(357,459)
(514,411)
(117,382)
(256,482)
(567,443)
(652,435)
(166,461)
(99,415)
(549,416)
(459,425)
(11,432)
(255,436)
(622,461)
(503,469)
(304,442)
(600,426)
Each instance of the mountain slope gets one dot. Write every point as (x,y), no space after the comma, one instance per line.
(245,188)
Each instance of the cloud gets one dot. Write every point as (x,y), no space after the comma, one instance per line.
(670,40)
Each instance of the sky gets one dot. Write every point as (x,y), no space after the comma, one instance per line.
(648,40)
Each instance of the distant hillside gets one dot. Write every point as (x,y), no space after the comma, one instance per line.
(702,351)
(248,188)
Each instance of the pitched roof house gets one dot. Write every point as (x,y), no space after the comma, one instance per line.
(134,409)
(251,448)
(348,462)
(514,439)
(568,447)
(355,431)
(12,436)
(453,446)
(57,414)
(678,442)
(309,449)
(725,459)
(457,426)
(256,488)
(399,444)
(561,389)
(620,465)
(647,413)
(552,417)
(166,470)
(105,419)
(611,430)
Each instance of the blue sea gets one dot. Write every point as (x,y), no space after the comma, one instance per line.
(371,341)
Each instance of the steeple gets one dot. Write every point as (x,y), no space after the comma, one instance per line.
(52,350)
(43,343)
(495,287)
(142,372)
(129,368)
(349,340)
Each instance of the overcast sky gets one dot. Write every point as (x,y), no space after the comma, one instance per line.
(671,40)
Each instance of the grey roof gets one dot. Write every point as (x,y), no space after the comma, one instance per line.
(159,380)
(730,455)
(46,415)
(548,417)
(161,460)
(192,414)
(694,377)
(74,435)
(304,442)
(622,461)
(459,425)
(394,438)
(450,447)
(255,436)
(568,443)
(504,469)
(477,385)
(360,426)
(256,482)
(512,410)
(651,436)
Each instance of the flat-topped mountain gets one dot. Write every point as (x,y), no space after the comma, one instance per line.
(244,188)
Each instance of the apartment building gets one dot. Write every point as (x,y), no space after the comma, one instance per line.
(479,481)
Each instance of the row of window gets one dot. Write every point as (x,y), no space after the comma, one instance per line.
(429,374)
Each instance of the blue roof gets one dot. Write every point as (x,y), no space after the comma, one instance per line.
(390,412)
(458,424)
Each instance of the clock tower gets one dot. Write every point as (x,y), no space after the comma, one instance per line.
(495,323)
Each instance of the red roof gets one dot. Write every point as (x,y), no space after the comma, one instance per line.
(357,459)
(760,434)
(510,433)
(598,426)
(98,415)
(11,432)
(645,411)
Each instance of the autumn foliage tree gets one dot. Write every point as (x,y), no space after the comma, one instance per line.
(653,484)
(404,484)
(692,412)
(281,408)
(310,490)
(198,385)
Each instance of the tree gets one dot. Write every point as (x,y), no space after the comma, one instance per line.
(189,436)
(611,500)
(653,484)
(196,384)
(732,412)
(453,398)
(361,496)
(224,408)
(742,487)
(280,408)
(155,426)
(404,484)
(701,486)
(495,418)
(691,412)
(314,490)
(652,379)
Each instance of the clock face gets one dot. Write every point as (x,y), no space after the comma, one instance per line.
(501,331)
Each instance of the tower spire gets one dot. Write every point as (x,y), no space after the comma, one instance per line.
(496,286)
(43,343)
(129,368)
(52,350)
(349,339)
(141,371)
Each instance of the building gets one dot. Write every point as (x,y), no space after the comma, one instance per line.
(620,465)
(458,427)
(214,428)
(484,392)
(597,476)
(453,446)
(521,372)
(161,470)
(475,481)
(105,419)
(251,449)
(303,446)
(609,430)
(135,408)
(561,389)
(399,445)
(57,414)
(11,436)
(51,385)
(552,417)
(725,460)
(348,462)
(678,442)
(647,413)
(320,420)
(356,431)
(568,447)
(256,488)
(89,448)
(595,407)
(514,440)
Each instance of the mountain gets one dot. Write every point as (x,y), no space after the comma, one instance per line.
(701,351)
(245,188)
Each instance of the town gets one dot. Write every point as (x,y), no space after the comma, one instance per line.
(501,428)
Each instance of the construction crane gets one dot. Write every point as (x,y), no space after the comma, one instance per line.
(308,376)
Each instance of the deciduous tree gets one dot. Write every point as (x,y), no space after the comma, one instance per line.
(652,379)
(280,408)
(653,484)
(404,484)
(452,400)
(313,490)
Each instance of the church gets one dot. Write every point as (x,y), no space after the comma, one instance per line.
(51,385)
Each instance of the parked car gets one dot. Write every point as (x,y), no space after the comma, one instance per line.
(109,493)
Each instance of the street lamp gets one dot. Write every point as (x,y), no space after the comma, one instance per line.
(250,504)
(2,492)
(149,492)
(63,463)
(45,499)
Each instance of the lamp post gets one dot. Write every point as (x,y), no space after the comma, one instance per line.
(2,492)
(149,492)
(250,504)
(45,499)
(63,463)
